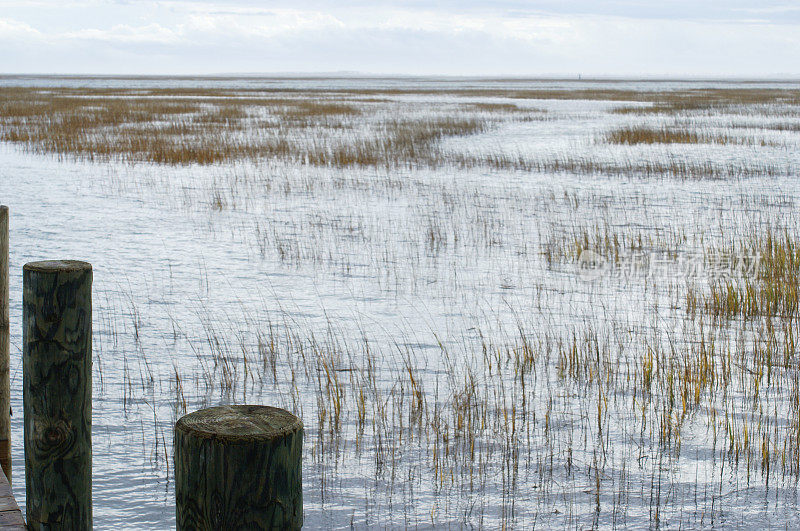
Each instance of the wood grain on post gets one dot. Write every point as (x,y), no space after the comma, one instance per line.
(57,393)
(239,467)
(5,350)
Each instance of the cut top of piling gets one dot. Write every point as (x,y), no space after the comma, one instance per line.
(58,266)
(239,423)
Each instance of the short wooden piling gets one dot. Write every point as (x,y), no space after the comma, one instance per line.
(5,350)
(57,394)
(239,467)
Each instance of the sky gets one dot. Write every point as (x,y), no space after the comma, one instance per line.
(697,38)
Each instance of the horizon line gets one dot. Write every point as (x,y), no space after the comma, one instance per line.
(784,77)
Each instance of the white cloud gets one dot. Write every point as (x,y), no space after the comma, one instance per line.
(123,33)
(15,30)
(265,25)
(442,37)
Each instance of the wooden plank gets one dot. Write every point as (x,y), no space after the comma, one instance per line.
(10,515)
(10,518)
(8,503)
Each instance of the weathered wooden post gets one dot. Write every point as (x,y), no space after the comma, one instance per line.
(239,467)
(5,350)
(57,393)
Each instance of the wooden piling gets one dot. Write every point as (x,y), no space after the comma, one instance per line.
(239,467)
(5,350)
(57,394)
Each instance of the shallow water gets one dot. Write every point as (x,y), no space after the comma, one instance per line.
(185,292)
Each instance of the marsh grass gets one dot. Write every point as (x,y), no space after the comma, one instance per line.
(611,243)
(345,128)
(708,100)
(770,290)
(492,425)
(545,400)
(786,126)
(581,408)
(672,167)
(670,135)
(185,128)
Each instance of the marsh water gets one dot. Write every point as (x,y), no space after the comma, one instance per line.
(434,326)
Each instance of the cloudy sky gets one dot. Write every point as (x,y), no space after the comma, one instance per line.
(451,37)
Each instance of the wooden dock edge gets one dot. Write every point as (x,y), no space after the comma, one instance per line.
(10,515)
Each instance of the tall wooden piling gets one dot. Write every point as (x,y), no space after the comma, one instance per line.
(5,350)
(57,394)
(239,467)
